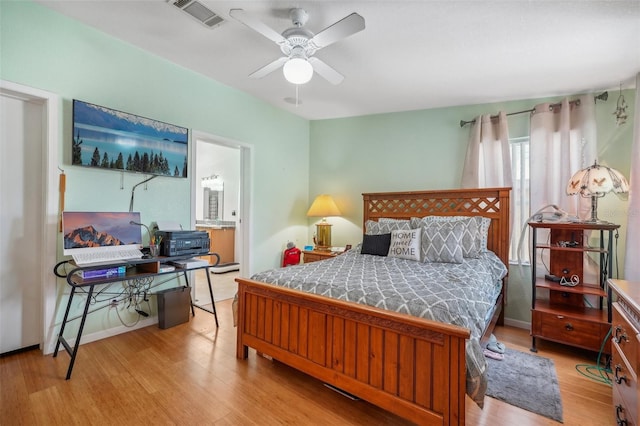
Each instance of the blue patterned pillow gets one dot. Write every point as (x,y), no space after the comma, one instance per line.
(442,242)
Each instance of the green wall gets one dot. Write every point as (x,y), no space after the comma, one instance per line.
(43,49)
(418,150)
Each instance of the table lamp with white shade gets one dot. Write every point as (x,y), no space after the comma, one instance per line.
(596,181)
(323,206)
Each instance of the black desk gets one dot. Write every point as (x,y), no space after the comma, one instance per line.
(135,269)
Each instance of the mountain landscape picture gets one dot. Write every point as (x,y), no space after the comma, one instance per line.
(100,229)
(111,139)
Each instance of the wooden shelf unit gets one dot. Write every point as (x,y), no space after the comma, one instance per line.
(559,312)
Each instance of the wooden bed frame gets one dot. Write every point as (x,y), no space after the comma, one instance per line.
(410,366)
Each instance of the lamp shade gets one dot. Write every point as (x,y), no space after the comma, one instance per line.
(596,181)
(297,71)
(323,206)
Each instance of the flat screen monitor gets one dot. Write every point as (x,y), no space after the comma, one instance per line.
(114,140)
(88,231)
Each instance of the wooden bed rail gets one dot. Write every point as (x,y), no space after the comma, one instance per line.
(410,366)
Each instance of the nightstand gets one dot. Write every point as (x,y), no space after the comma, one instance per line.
(309,256)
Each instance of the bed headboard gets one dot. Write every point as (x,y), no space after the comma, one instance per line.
(488,202)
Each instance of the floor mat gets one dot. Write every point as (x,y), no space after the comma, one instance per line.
(527,381)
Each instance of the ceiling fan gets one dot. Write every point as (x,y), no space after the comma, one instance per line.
(298,45)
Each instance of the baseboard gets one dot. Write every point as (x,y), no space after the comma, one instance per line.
(103,334)
(517,323)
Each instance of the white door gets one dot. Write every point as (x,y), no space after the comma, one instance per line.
(21,228)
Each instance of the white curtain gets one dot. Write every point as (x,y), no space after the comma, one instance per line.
(562,141)
(632,253)
(488,161)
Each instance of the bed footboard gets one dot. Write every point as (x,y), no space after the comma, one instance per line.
(410,366)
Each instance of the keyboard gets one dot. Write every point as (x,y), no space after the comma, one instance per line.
(100,257)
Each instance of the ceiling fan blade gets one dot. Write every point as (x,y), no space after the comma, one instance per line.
(256,24)
(269,68)
(325,71)
(345,27)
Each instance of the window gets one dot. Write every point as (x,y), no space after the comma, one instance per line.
(519,148)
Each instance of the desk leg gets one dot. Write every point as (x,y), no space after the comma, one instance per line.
(64,321)
(186,279)
(213,303)
(77,343)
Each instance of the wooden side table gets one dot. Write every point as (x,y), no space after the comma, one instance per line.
(309,256)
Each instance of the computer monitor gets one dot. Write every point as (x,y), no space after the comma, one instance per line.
(89,231)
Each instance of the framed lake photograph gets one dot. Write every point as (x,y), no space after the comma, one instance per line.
(116,140)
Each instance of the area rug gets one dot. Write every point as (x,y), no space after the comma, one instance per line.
(527,381)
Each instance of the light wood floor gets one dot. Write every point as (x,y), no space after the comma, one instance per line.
(188,374)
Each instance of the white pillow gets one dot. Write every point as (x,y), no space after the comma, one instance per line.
(405,244)
(442,242)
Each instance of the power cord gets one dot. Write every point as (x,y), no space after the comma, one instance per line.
(572,282)
(597,372)
(601,373)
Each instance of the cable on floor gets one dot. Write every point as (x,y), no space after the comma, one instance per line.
(597,372)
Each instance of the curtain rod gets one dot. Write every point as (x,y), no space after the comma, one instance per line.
(602,96)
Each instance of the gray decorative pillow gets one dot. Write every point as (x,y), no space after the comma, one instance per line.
(476,230)
(392,220)
(405,244)
(442,242)
(376,228)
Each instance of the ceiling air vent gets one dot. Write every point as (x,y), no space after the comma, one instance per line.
(199,11)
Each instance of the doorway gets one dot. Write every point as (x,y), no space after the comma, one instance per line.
(220,207)
(28,208)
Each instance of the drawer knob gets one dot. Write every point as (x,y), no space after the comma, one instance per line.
(568,326)
(620,336)
(619,421)
(619,379)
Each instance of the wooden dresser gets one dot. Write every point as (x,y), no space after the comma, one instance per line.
(625,340)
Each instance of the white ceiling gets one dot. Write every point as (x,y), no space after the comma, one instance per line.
(412,54)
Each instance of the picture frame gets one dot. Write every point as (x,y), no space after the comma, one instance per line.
(114,140)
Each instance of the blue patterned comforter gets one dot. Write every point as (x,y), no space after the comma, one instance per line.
(462,294)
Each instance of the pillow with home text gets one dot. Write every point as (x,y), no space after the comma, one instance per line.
(405,244)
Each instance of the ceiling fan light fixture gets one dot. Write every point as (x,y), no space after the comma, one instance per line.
(297,71)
